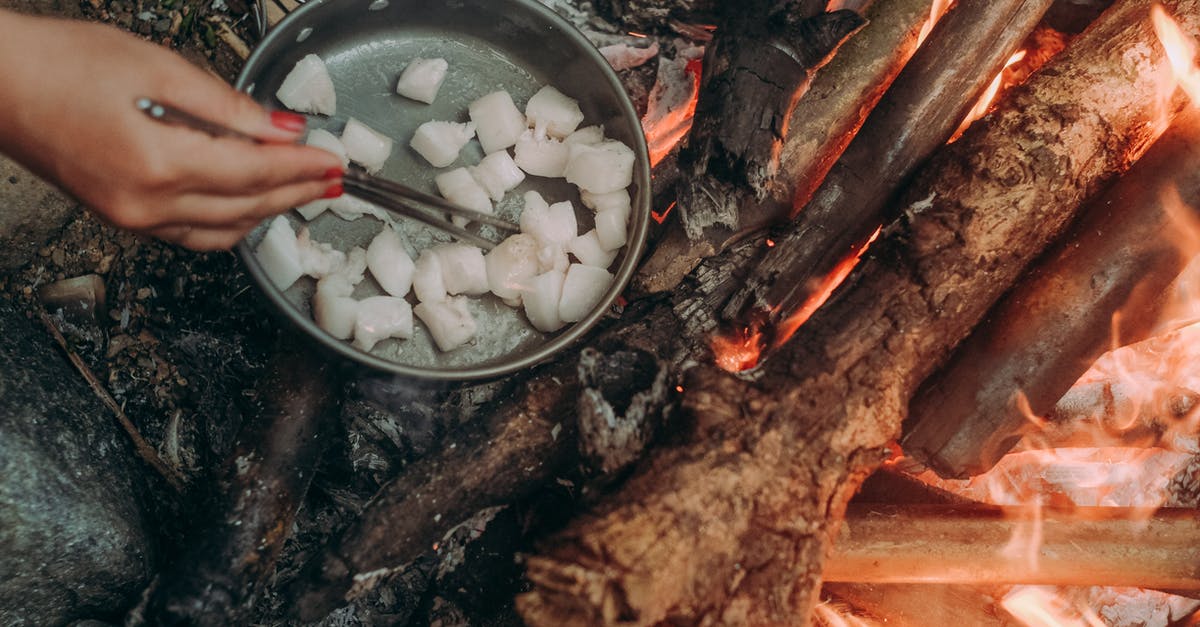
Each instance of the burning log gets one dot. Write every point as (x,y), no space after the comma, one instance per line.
(1038,341)
(985,544)
(759,64)
(730,523)
(216,579)
(919,605)
(922,110)
(820,126)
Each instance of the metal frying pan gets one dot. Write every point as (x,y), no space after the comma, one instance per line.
(515,45)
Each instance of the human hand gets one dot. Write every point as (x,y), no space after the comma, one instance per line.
(67,113)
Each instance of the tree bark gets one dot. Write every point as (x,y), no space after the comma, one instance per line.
(823,122)
(1102,283)
(928,101)
(730,524)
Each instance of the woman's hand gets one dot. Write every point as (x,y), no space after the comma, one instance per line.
(67,113)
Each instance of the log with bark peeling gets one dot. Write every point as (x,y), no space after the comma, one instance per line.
(926,104)
(1063,314)
(730,524)
(841,95)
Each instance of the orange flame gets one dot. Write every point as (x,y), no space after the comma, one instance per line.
(936,11)
(1181,52)
(1036,606)
(985,101)
(738,351)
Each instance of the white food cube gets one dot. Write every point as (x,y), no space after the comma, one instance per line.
(464,270)
(351,208)
(448,321)
(588,250)
(381,317)
(439,142)
(333,309)
(422,79)
(611,229)
(323,139)
(498,121)
(550,224)
(541,299)
(582,290)
(541,156)
(427,277)
(389,263)
(551,112)
(308,88)
(511,264)
(366,146)
(460,188)
(497,174)
(279,254)
(600,168)
(586,135)
(318,259)
(610,201)
(553,257)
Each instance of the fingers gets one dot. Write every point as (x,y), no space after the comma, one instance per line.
(202,238)
(208,211)
(231,167)
(204,95)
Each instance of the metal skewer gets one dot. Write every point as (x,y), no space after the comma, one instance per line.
(390,196)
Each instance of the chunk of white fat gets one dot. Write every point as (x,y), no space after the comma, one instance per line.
(589,251)
(600,168)
(511,264)
(439,142)
(541,156)
(582,290)
(389,262)
(308,88)
(498,121)
(449,322)
(497,174)
(366,146)
(612,230)
(610,201)
(381,317)
(551,112)
(422,79)
(279,254)
(323,139)
(332,307)
(427,277)
(550,224)
(586,135)
(464,270)
(541,297)
(318,259)
(553,257)
(460,188)
(351,208)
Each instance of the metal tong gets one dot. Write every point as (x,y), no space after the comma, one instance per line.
(395,198)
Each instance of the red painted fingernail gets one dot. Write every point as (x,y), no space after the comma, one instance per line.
(288,121)
(333,192)
(334,173)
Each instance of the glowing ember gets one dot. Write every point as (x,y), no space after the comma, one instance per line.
(985,101)
(660,217)
(739,350)
(1038,607)
(1181,52)
(672,103)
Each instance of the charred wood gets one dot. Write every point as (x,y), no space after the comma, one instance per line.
(731,522)
(230,557)
(842,93)
(919,113)
(1063,314)
(982,544)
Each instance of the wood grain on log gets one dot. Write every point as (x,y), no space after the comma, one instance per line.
(215,580)
(730,524)
(918,114)
(842,93)
(984,544)
(920,605)
(1063,314)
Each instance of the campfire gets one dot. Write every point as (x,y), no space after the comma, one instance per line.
(892,238)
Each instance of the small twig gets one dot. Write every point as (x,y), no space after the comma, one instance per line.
(144,450)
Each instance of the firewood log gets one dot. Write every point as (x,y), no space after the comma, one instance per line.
(922,110)
(1063,314)
(730,523)
(824,120)
(231,555)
